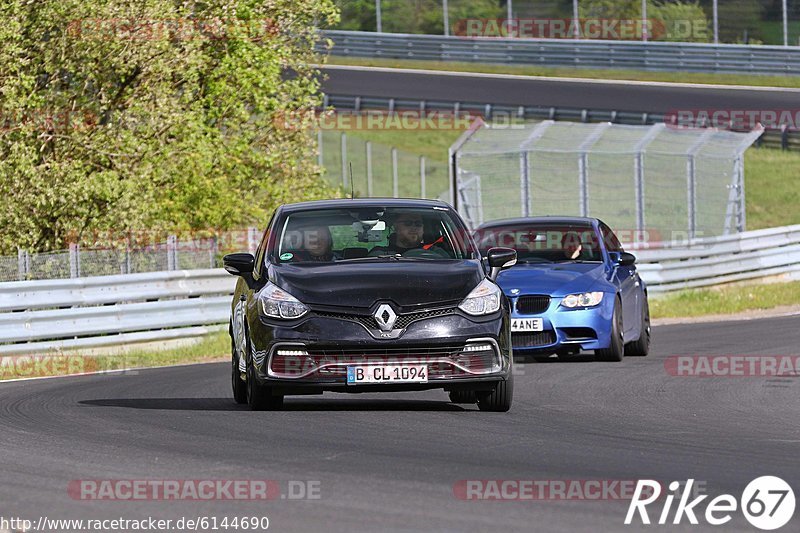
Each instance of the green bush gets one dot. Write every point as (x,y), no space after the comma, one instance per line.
(120,115)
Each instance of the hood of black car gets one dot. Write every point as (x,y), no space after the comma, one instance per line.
(408,283)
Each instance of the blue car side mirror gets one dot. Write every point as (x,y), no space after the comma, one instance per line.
(622,258)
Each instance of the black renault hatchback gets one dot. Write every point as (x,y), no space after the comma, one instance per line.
(369,295)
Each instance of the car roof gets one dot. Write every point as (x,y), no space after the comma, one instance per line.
(344,203)
(576,221)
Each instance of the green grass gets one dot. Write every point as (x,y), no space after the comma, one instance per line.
(215,346)
(771,175)
(771,187)
(569,72)
(725,300)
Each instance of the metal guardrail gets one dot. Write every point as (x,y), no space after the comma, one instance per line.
(744,256)
(47,315)
(786,139)
(40,317)
(664,56)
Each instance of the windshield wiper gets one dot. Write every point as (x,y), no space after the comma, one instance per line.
(382,256)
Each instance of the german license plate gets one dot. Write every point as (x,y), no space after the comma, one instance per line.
(357,375)
(527,324)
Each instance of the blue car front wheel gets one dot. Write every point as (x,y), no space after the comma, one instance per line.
(616,348)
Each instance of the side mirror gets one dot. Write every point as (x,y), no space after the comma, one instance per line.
(239,264)
(622,258)
(500,258)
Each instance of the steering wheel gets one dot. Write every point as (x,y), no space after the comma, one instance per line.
(431,253)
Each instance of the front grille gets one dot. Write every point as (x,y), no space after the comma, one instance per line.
(532,339)
(402,322)
(533,305)
(324,362)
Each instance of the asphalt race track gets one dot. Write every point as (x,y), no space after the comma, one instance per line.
(391,461)
(531,91)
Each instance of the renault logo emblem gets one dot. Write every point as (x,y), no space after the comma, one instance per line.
(385,317)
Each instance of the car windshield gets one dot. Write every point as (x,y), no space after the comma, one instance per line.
(543,243)
(369,234)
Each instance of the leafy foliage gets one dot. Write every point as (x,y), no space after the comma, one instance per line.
(154,114)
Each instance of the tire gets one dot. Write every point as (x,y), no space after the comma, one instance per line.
(499,400)
(259,397)
(615,352)
(641,346)
(237,384)
(463,396)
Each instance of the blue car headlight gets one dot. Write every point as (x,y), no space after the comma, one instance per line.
(583,299)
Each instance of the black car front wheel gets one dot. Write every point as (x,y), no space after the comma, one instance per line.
(237,384)
(259,397)
(499,400)
(463,396)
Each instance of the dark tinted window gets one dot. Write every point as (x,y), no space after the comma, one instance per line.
(332,235)
(610,240)
(542,242)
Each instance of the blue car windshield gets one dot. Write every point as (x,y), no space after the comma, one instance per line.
(543,243)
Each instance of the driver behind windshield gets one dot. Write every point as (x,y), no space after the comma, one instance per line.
(408,229)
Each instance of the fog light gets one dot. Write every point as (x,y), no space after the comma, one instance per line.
(292,352)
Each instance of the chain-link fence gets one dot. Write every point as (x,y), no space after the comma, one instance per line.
(174,254)
(658,179)
(379,170)
(773,22)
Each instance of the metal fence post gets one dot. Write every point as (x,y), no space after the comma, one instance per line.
(691,193)
(524,184)
(128,257)
(172,263)
(422,178)
(691,179)
(212,252)
(252,240)
(395,180)
(74,260)
(638,166)
(320,159)
(344,161)
(368,148)
(23,265)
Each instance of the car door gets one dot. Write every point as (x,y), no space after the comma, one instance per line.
(627,280)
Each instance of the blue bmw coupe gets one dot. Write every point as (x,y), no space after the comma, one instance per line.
(574,288)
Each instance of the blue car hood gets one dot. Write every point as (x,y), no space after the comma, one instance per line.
(556,279)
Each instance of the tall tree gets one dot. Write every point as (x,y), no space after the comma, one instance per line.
(153,114)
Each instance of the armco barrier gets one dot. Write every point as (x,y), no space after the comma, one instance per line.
(665,56)
(706,262)
(42,316)
(38,317)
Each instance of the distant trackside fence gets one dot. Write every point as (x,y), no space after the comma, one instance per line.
(663,56)
(43,316)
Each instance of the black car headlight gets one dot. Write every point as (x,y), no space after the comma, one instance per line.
(277,303)
(483,300)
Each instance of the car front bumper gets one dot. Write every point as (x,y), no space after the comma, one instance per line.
(313,355)
(584,328)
